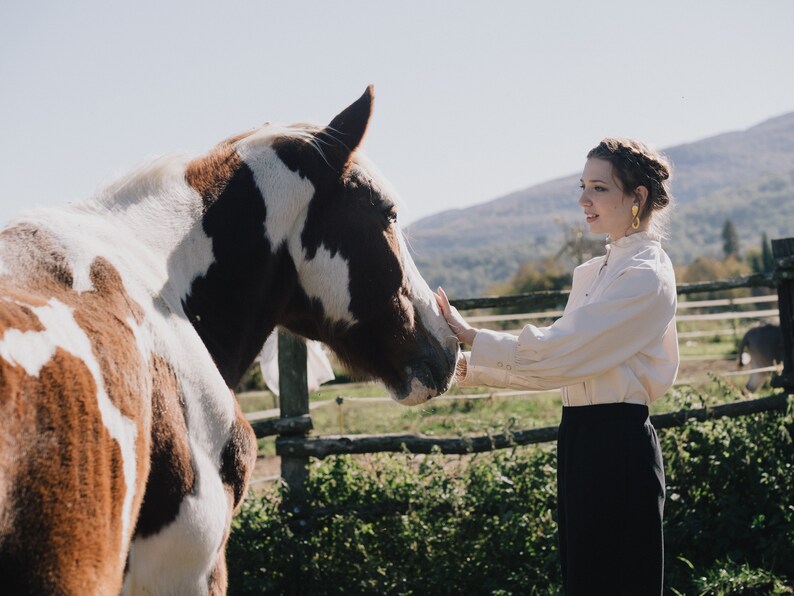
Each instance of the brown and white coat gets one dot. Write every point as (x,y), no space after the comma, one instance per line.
(125,320)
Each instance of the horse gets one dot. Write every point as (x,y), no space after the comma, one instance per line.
(127,319)
(761,347)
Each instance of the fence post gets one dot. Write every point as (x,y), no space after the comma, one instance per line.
(294,400)
(783,252)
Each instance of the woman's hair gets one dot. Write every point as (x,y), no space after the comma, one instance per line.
(636,164)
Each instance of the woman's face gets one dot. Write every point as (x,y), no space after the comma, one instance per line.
(606,208)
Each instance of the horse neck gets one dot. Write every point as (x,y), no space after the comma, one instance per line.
(253,221)
(223,260)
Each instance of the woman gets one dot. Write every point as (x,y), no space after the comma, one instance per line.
(612,353)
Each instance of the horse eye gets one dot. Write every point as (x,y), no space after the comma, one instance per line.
(391,215)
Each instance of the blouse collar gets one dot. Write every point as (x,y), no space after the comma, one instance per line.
(633,240)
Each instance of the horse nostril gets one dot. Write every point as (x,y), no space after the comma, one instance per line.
(435,375)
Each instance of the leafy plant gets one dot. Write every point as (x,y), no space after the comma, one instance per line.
(485,524)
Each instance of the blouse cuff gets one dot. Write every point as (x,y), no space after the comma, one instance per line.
(492,359)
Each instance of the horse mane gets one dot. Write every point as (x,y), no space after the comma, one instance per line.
(148,178)
(162,171)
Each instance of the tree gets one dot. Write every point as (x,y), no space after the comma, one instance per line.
(761,260)
(579,246)
(546,274)
(767,260)
(730,240)
(712,269)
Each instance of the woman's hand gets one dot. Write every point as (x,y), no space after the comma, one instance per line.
(462,330)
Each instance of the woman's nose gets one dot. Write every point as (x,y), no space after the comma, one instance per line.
(584,201)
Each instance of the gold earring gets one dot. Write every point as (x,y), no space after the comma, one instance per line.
(635,221)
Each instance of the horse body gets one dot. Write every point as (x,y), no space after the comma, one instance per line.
(125,321)
(761,347)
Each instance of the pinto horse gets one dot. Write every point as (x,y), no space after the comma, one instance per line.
(125,320)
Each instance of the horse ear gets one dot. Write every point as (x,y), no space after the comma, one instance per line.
(345,132)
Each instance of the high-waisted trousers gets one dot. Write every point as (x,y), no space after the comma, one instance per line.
(610,488)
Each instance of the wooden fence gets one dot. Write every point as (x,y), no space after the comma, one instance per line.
(294,424)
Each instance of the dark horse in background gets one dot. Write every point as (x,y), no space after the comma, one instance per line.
(126,319)
(761,347)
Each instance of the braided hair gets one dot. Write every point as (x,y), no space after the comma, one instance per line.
(636,164)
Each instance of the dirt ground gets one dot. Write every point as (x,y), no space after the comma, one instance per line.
(266,468)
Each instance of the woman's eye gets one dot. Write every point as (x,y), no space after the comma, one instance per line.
(600,188)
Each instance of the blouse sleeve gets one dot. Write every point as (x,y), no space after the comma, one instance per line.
(632,312)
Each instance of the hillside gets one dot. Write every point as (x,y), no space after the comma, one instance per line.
(747,176)
(762,205)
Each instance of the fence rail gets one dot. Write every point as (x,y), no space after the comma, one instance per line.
(685,305)
(398,443)
(540,299)
(295,447)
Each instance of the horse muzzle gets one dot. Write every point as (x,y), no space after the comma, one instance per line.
(426,378)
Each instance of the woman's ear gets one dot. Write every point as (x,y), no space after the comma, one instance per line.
(641,194)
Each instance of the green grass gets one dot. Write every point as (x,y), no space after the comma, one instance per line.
(708,346)
(438,417)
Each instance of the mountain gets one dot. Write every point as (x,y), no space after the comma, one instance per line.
(746,176)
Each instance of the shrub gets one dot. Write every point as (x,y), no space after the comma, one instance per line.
(485,524)
(728,577)
(730,487)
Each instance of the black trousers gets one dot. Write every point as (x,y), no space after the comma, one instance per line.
(610,489)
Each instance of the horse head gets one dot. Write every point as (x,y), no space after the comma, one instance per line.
(325,255)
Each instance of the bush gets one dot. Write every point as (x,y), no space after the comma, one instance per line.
(380,526)
(485,524)
(730,497)
(728,577)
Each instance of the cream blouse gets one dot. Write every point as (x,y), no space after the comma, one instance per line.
(616,341)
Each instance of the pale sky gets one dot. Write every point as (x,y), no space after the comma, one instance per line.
(474,99)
